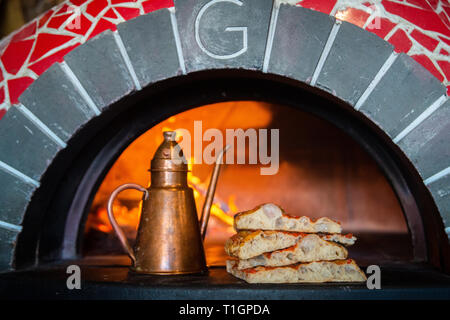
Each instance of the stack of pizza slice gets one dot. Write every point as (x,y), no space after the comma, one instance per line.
(273,247)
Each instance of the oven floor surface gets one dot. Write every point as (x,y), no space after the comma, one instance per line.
(101,280)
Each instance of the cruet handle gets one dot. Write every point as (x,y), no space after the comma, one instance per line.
(116,227)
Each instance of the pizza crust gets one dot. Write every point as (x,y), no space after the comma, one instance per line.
(271,217)
(249,244)
(347,239)
(312,272)
(309,247)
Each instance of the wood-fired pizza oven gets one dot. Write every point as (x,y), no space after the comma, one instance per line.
(364,138)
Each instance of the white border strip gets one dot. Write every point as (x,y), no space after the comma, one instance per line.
(10,226)
(326,51)
(439,102)
(384,68)
(73,78)
(127,60)
(271,34)
(176,34)
(8,169)
(437,176)
(43,127)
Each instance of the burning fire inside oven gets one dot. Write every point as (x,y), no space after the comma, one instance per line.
(322,173)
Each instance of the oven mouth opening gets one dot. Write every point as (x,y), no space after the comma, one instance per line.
(316,170)
(106,138)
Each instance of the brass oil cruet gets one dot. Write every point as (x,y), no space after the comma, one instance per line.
(170,237)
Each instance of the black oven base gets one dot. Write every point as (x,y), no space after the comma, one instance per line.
(98,281)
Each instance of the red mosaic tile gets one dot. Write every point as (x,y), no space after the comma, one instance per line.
(80,26)
(2,113)
(400,41)
(2,94)
(15,55)
(420,3)
(110,14)
(381,27)
(428,64)
(101,26)
(444,19)
(1,76)
(153,5)
(57,21)
(27,31)
(42,65)
(128,13)
(17,87)
(95,7)
(324,6)
(44,19)
(447,10)
(434,3)
(78,2)
(424,40)
(444,52)
(121,1)
(447,41)
(445,67)
(46,42)
(64,9)
(355,16)
(425,19)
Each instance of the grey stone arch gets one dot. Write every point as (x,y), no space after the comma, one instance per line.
(338,60)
